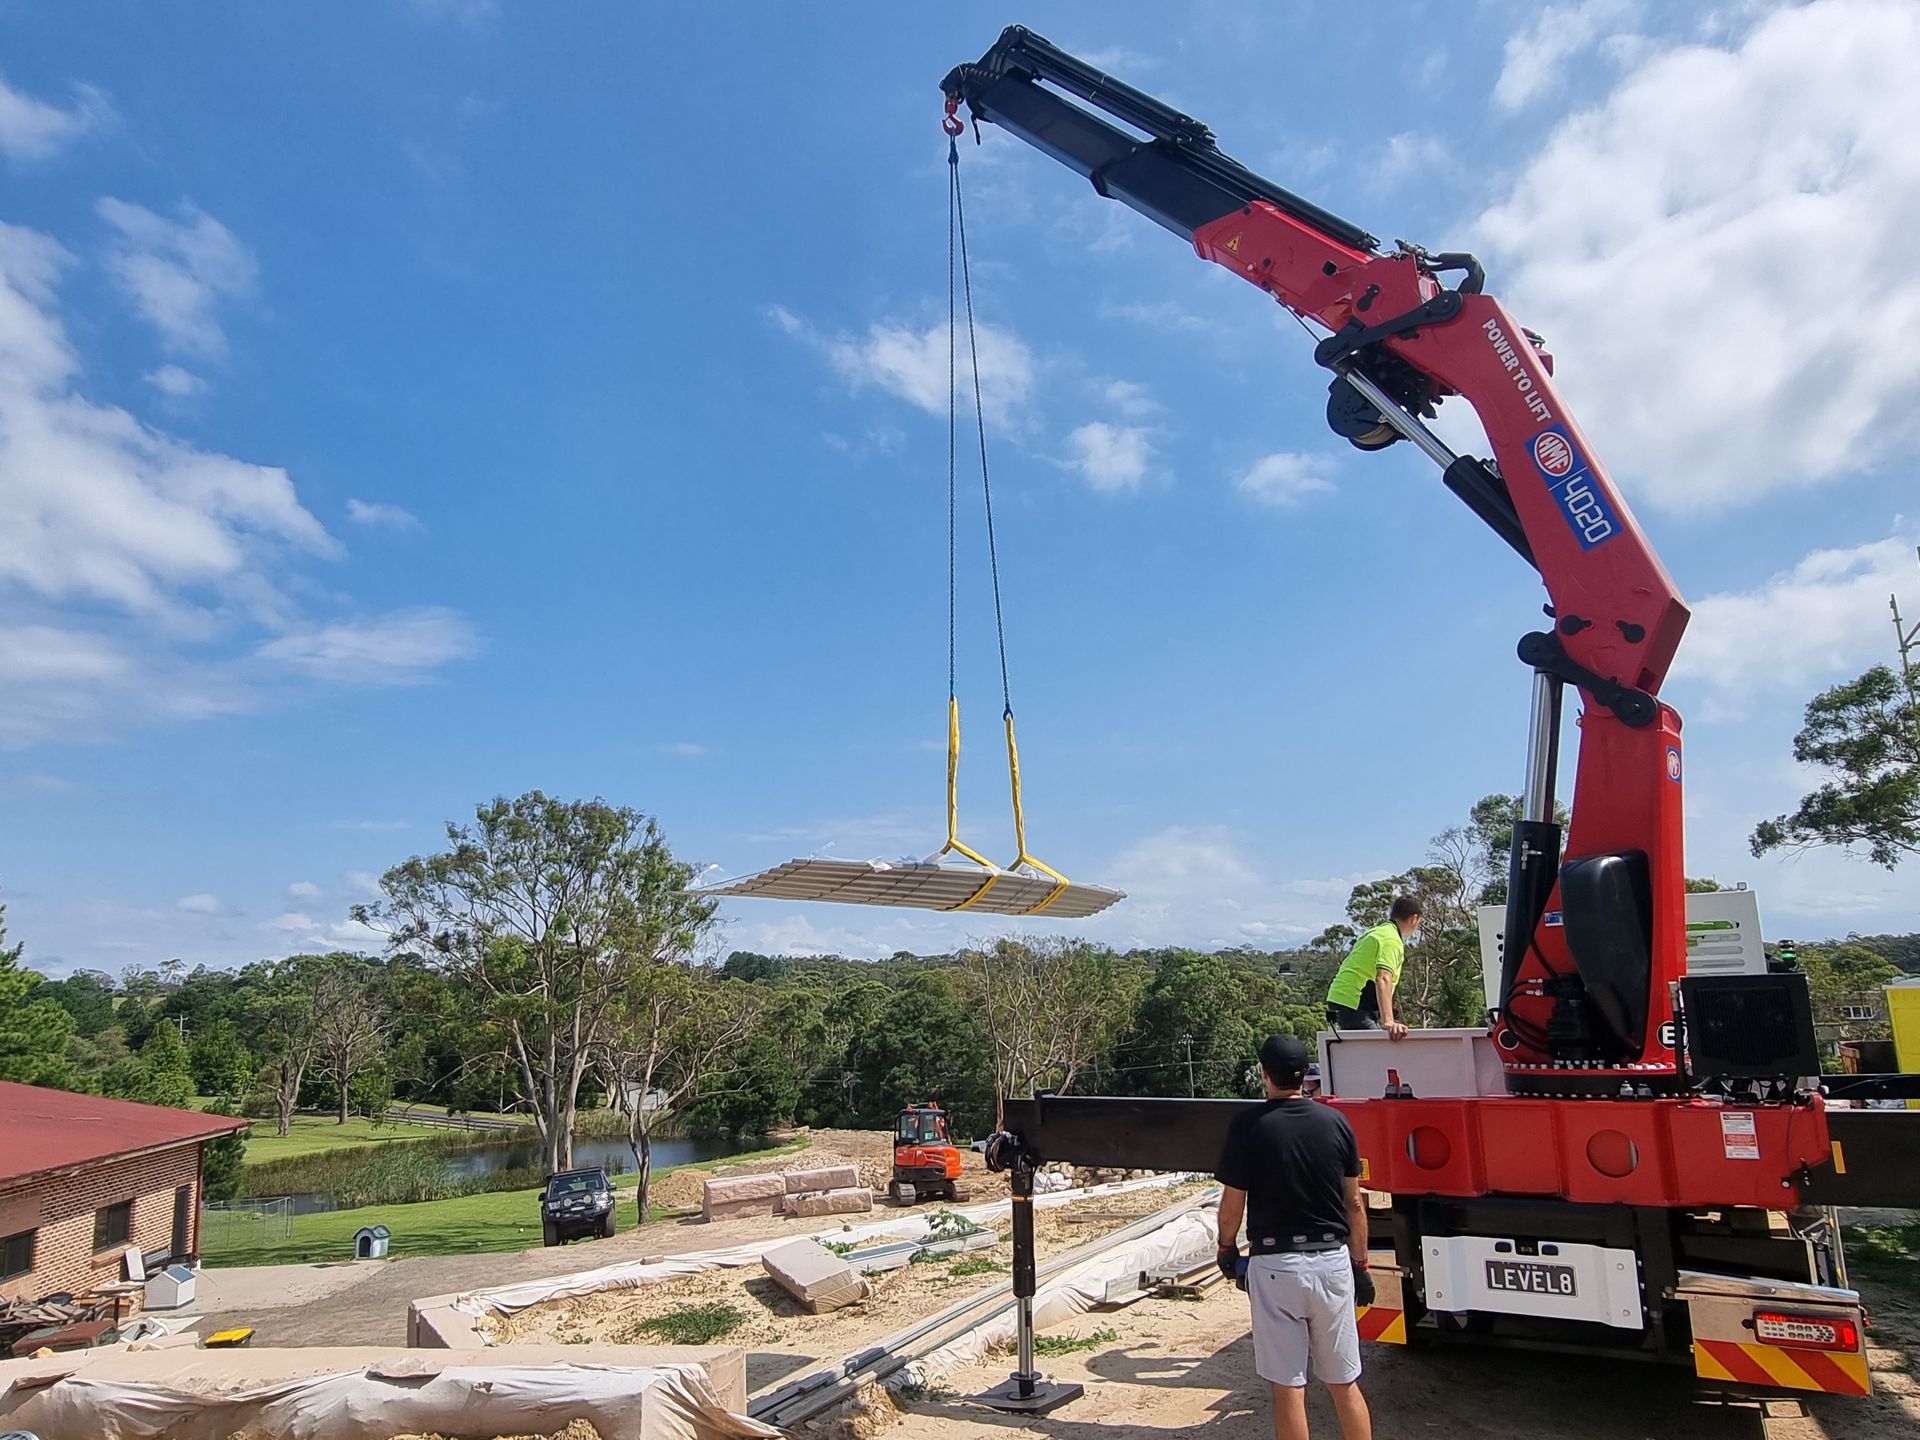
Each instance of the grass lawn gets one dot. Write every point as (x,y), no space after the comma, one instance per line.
(313,1134)
(464,1225)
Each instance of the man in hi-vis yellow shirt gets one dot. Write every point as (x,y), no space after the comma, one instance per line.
(1361,996)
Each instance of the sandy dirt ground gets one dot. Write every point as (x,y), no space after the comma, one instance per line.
(1186,1367)
(781,1338)
(366,1303)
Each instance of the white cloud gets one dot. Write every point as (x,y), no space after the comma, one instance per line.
(356,934)
(687,749)
(1697,246)
(868,836)
(172,380)
(381,517)
(1537,54)
(101,508)
(1822,621)
(399,648)
(365,882)
(1411,153)
(303,890)
(1129,397)
(1197,885)
(132,564)
(1285,479)
(178,271)
(1162,314)
(198,904)
(1111,458)
(293,922)
(32,129)
(912,364)
(30,653)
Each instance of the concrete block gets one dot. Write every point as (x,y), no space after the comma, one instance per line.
(827,1177)
(819,1279)
(828,1202)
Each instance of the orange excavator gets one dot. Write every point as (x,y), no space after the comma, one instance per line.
(926,1162)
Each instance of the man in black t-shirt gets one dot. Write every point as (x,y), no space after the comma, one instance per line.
(1291,1169)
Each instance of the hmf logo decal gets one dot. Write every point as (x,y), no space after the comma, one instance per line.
(1565,472)
(1553,454)
(1673,763)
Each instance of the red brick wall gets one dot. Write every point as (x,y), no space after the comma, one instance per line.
(62,1211)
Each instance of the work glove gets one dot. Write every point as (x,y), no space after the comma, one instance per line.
(1228,1259)
(1362,1286)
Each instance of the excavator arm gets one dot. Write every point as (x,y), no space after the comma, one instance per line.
(1594,940)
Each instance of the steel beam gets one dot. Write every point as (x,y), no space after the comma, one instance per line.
(1125,1133)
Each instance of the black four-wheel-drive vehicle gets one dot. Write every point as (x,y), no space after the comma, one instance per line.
(576,1203)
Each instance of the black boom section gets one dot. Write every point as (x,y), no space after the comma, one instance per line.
(1876,1160)
(1125,1133)
(1177,177)
(1606,904)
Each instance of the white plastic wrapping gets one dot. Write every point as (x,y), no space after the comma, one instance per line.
(1070,1293)
(632,1274)
(214,1398)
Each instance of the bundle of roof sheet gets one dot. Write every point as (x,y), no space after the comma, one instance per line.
(922,885)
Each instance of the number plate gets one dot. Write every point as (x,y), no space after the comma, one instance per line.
(1531,1277)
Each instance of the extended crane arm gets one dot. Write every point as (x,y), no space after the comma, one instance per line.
(1620,617)
(1587,979)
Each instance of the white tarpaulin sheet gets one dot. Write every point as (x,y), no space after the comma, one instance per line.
(1070,1293)
(506,1299)
(662,1402)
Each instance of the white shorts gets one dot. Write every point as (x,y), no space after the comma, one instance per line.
(1303,1311)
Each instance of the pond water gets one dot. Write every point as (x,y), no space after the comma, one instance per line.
(486,1158)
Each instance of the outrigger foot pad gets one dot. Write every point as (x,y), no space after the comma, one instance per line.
(1030,1395)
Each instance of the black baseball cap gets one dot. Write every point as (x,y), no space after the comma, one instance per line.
(1284,1058)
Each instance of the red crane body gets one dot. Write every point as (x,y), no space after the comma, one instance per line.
(1636,1176)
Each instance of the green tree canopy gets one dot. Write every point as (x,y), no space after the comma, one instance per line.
(544,911)
(33,1033)
(1866,735)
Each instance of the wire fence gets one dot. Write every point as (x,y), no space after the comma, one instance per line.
(228,1223)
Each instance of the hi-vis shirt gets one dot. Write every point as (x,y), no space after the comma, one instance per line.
(1381,948)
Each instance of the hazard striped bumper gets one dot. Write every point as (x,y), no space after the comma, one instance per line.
(1389,1327)
(1774,1335)
(1386,1319)
(1778,1367)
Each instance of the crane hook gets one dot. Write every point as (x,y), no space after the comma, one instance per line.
(953,124)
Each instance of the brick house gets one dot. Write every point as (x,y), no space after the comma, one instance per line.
(83,1179)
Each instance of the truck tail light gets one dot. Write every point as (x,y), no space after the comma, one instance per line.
(1805,1332)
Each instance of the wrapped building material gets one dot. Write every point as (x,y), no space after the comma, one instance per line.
(825,1177)
(819,1279)
(368,1394)
(828,1202)
(742,1195)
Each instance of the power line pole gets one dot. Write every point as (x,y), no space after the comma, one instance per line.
(1908,640)
(1188,1040)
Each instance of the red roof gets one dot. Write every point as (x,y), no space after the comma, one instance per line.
(43,1130)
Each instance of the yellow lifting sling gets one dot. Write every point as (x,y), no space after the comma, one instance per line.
(1028,885)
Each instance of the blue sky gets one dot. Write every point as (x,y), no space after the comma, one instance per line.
(403,404)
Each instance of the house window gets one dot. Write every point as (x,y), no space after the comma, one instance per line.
(16,1255)
(112,1226)
(1857,1012)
